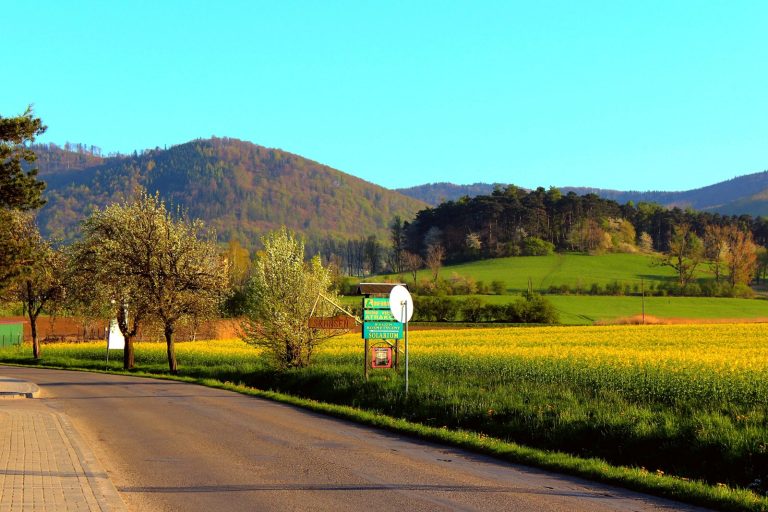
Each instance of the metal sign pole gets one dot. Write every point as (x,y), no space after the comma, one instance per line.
(404,318)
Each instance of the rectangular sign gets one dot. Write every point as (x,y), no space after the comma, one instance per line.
(115,339)
(381,315)
(381,357)
(331,322)
(376,303)
(384,336)
(382,330)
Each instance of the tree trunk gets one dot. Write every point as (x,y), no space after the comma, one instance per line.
(35,341)
(33,322)
(171,351)
(122,321)
(128,357)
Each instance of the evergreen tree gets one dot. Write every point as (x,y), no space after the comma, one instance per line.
(19,189)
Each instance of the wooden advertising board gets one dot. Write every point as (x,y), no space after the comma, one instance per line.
(341,322)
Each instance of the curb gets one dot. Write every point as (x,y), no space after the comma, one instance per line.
(11,389)
(104,491)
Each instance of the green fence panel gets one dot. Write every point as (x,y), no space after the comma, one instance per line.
(11,334)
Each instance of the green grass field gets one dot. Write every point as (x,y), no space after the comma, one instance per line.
(575,270)
(581,271)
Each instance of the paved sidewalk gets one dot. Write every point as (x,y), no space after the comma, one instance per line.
(44,464)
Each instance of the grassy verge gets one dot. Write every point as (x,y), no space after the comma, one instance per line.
(692,491)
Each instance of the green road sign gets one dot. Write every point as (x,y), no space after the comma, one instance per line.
(382,330)
(376,303)
(381,315)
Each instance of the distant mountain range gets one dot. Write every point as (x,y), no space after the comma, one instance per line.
(242,190)
(239,188)
(741,195)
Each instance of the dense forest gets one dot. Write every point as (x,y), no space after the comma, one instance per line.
(512,221)
(241,189)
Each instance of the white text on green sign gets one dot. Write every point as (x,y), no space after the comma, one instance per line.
(382,330)
(376,303)
(384,336)
(382,315)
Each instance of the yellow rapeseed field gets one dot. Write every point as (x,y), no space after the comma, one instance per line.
(725,347)
(722,347)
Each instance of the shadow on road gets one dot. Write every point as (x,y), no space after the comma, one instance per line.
(365,487)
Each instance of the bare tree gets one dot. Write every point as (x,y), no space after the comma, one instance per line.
(412,263)
(685,253)
(741,259)
(435,257)
(716,249)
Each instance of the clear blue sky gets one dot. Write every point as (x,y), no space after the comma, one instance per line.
(616,94)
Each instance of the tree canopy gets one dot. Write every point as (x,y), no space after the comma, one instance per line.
(153,264)
(284,292)
(19,188)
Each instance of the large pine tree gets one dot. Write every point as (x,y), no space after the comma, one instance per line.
(19,189)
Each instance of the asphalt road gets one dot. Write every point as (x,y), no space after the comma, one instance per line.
(174,446)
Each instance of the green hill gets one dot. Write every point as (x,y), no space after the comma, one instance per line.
(575,270)
(581,271)
(239,188)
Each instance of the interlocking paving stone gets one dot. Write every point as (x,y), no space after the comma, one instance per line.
(45,466)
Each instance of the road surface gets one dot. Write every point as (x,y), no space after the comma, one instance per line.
(170,446)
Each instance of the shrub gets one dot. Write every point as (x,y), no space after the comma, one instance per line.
(498,287)
(534,246)
(614,288)
(534,308)
(472,309)
(742,291)
(460,285)
(494,313)
(422,309)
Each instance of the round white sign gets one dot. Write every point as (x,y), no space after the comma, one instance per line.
(401,303)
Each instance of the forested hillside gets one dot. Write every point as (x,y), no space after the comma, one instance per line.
(239,188)
(513,221)
(436,193)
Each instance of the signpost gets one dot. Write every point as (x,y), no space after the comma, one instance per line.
(387,309)
(401,307)
(382,330)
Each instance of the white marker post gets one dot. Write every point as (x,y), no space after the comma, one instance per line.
(401,307)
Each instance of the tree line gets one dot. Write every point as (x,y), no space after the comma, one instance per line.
(500,223)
